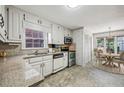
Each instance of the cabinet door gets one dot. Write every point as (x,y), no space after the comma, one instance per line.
(65,32)
(38,68)
(61,35)
(2,19)
(31,18)
(14,25)
(70,33)
(47,68)
(65,59)
(55,34)
(36,20)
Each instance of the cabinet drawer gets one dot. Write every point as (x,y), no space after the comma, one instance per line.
(37,59)
(46,61)
(50,57)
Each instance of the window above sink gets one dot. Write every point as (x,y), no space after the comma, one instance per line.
(34,38)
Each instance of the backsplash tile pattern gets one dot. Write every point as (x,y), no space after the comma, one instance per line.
(13,50)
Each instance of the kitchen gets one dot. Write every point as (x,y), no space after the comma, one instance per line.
(33,48)
(61,45)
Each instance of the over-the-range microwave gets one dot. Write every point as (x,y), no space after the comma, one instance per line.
(67,40)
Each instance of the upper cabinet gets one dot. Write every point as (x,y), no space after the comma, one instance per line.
(67,32)
(14,29)
(14,26)
(36,20)
(2,23)
(57,34)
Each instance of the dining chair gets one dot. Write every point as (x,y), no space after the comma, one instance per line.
(100,57)
(119,60)
(95,54)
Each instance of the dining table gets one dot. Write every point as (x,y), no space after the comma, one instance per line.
(109,59)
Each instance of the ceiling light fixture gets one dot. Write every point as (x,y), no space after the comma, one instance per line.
(72,6)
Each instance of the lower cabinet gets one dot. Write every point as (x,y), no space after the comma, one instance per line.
(42,65)
(47,67)
(38,68)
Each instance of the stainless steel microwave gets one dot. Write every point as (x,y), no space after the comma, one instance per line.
(67,40)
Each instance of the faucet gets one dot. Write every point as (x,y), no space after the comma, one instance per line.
(36,52)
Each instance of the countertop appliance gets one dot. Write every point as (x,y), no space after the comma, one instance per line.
(67,40)
(58,62)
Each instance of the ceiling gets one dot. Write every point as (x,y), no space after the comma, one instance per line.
(85,15)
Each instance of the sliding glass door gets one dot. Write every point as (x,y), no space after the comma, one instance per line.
(120,44)
(113,45)
(110,45)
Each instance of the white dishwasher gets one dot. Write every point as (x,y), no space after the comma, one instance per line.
(58,62)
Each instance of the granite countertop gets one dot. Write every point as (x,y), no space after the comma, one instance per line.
(14,72)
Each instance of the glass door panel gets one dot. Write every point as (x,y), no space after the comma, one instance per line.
(120,44)
(100,42)
(110,45)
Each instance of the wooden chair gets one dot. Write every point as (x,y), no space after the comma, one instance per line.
(99,57)
(95,54)
(119,60)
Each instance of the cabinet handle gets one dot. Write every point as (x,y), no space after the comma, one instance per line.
(42,65)
(5,33)
(40,22)
(19,36)
(24,16)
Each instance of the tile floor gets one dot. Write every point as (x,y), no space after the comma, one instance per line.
(78,76)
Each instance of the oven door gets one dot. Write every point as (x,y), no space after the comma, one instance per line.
(72,59)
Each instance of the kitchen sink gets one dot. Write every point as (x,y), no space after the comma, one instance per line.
(38,54)
(32,55)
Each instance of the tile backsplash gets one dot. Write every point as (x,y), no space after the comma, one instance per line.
(12,50)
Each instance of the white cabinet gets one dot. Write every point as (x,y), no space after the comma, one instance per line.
(38,68)
(2,23)
(43,65)
(61,35)
(67,32)
(37,64)
(47,67)
(36,20)
(15,18)
(65,59)
(57,34)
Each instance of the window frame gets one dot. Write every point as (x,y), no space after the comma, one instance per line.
(34,27)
